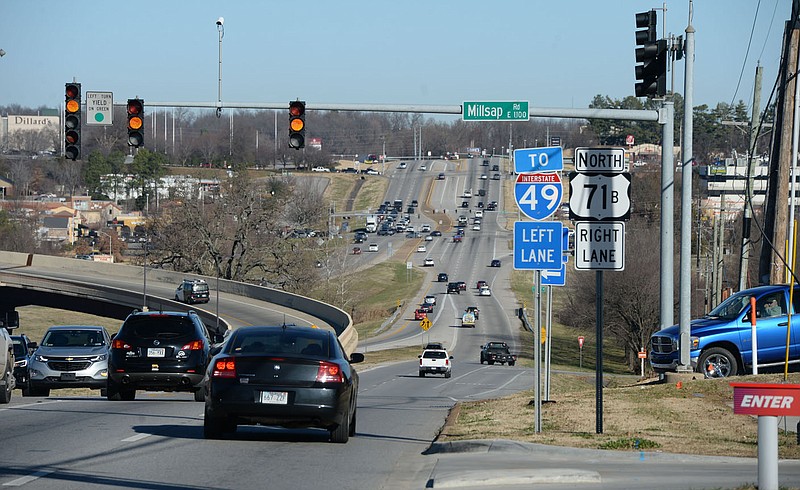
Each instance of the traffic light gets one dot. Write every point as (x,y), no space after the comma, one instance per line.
(651,75)
(297,124)
(135,122)
(72,121)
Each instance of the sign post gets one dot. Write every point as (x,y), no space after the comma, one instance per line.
(580,349)
(768,401)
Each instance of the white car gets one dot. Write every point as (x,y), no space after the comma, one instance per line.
(476,227)
(467,193)
(373,247)
(479,214)
(320,169)
(425,228)
(422,248)
(484,176)
(423,167)
(428,238)
(428,262)
(485,291)
(372,171)
(402,165)
(430,299)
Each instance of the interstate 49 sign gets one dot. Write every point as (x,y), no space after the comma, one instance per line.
(538,195)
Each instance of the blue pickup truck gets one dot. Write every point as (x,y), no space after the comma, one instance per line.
(721,341)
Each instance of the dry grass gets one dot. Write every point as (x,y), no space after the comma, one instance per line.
(694,419)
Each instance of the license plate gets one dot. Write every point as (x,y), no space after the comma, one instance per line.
(68,377)
(275,397)
(155,352)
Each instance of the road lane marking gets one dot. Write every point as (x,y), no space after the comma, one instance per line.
(137,437)
(27,479)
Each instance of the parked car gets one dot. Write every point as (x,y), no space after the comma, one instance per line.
(442,277)
(70,356)
(497,352)
(159,351)
(320,169)
(296,377)
(721,341)
(24,348)
(192,291)
(435,361)
(495,263)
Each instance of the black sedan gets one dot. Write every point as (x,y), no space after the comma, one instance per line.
(282,375)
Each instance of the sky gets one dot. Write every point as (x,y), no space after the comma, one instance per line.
(555,54)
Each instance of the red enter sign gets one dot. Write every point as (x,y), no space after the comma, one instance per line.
(766,399)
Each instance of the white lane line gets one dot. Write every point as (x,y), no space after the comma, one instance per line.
(26,479)
(137,437)
(28,405)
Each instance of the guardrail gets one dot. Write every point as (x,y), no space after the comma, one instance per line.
(338,319)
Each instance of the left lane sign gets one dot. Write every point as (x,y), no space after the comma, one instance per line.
(537,245)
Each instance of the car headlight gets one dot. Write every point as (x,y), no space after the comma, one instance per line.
(101,357)
(40,358)
(21,363)
(695,343)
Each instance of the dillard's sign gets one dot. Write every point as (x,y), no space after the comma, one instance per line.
(29,123)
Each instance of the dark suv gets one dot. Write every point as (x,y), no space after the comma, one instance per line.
(452,287)
(23,351)
(159,351)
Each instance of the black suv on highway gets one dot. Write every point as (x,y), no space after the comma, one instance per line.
(159,351)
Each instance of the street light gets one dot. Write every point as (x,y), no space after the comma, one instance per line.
(221,30)
(110,244)
(216,314)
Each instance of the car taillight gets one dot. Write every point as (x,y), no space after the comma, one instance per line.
(224,368)
(193,345)
(120,344)
(329,372)
(447,362)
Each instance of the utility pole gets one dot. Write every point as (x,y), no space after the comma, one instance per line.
(776,213)
(755,121)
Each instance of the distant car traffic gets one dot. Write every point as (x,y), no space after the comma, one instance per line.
(422,248)
(428,262)
(497,352)
(442,277)
(485,291)
(320,169)
(430,300)
(441,176)
(435,361)
(192,291)
(402,165)
(419,314)
(310,382)
(495,263)
(436,233)
(373,247)
(356,250)
(452,287)
(423,167)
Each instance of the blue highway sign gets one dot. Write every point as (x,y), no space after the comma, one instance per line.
(538,245)
(556,277)
(530,160)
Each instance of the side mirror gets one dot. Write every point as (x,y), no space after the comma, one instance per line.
(356,357)
(420,356)
(213,351)
(451,357)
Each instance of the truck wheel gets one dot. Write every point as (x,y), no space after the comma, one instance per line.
(422,374)
(718,362)
(511,363)
(491,363)
(5,390)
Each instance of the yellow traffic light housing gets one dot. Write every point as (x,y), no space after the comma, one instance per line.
(135,111)
(297,124)
(72,121)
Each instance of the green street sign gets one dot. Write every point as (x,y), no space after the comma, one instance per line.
(495,111)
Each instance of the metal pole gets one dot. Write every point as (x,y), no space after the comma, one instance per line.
(687,156)
(221,30)
(767,452)
(667,226)
(598,375)
(548,337)
(537,347)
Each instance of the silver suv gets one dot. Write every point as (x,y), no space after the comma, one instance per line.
(192,291)
(70,356)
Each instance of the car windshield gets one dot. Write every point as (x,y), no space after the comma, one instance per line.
(19,350)
(731,307)
(282,342)
(73,338)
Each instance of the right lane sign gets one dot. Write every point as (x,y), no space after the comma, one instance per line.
(599,245)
